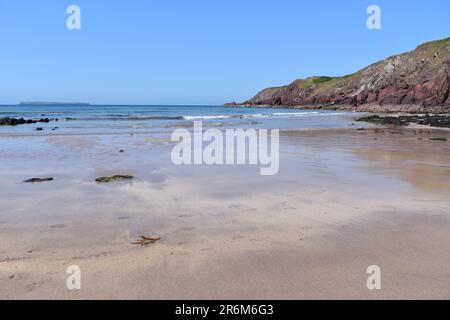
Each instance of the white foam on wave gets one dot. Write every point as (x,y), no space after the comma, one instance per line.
(263,115)
(257,115)
(295,114)
(205,117)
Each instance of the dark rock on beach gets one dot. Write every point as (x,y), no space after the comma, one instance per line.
(17,121)
(14,121)
(114,178)
(441,121)
(442,139)
(36,180)
(397,121)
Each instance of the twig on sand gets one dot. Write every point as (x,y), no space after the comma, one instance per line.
(146,240)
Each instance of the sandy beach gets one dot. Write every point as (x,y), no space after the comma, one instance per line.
(229,155)
(344,199)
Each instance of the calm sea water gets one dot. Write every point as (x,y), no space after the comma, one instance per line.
(107,119)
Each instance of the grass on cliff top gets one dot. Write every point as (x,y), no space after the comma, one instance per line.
(271,90)
(305,83)
(435,45)
(322,79)
(275,88)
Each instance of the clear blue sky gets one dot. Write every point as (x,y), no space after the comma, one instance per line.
(196,51)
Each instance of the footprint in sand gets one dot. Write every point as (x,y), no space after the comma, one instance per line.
(34,285)
(124,218)
(185,216)
(16,276)
(187,229)
(58,226)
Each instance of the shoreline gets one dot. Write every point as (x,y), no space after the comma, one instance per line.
(410,116)
(411,127)
(371,108)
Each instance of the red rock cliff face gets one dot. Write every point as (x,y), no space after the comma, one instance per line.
(417,81)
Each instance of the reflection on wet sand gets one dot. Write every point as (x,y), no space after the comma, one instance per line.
(407,154)
(343,199)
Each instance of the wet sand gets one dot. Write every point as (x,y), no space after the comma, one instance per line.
(344,199)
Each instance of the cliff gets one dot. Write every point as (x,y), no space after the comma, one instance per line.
(416,81)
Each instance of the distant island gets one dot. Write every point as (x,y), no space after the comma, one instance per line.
(44,103)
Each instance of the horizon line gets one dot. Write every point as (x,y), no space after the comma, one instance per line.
(107,104)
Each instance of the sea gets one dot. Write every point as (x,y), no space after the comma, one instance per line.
(117,119)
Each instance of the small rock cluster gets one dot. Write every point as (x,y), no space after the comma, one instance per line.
(16,121)
(441,121)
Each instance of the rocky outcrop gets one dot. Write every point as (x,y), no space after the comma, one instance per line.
(440,121)
(14,121)
(114,178)
(416,81)
(37,180)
